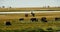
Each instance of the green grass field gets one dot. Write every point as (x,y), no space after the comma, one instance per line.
(27,25)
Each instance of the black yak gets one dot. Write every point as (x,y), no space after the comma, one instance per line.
(8,23)
(43,19)
(34,19)
(21,19)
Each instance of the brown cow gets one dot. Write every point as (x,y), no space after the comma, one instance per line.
(26,15)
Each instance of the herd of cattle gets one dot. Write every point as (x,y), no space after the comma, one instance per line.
(43,19)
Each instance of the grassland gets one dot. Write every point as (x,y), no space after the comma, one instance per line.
(29,9)
(27,25)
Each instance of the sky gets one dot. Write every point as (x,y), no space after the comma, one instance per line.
(29,3)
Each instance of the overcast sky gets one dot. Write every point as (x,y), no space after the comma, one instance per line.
(29,3)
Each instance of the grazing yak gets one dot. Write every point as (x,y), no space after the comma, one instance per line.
(21,19)
(32,14)
(26,15)
(57,19)
(43,19)
(34,19)
(8,23)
